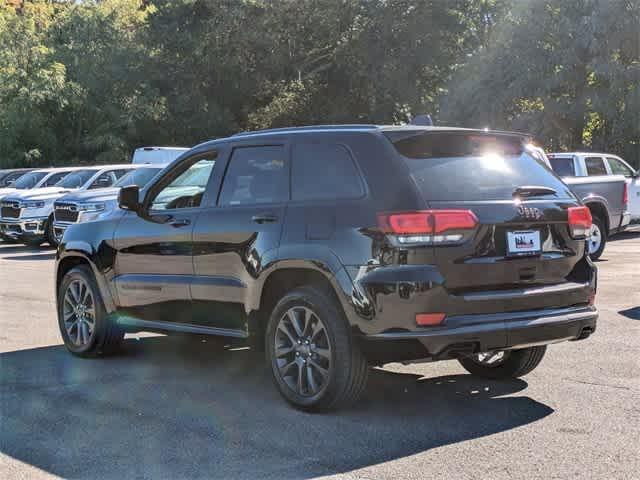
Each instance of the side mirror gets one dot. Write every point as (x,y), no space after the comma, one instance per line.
(129,198)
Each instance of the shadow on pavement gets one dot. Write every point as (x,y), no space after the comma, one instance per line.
(632,313)
(627,234)
(19,248)
(167,408)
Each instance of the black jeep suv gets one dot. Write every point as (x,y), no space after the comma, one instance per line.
(337,248)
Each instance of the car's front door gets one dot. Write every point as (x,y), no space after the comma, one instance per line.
(154,265)
(237,239)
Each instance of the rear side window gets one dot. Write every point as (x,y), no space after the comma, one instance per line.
(563,166)
(595,166)
(323,172)
(451,166)
(256,175)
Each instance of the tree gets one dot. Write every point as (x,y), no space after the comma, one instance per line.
(566,71)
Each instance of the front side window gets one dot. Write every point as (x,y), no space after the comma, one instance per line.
(256,175)
(29,180)
(619,168)
(187,189)
(76,179)
(323,172)
(595,166)
(12,177)
(54,179)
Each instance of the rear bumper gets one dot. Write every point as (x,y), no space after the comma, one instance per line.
(24,229)
(501,331)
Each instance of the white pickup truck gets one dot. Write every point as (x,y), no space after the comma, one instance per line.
(607,185)
(596,164)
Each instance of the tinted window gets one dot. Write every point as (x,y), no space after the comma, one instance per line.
(107,179)
(256,175)
(186,190)
(619,168)
(595,166)
(53,179)
(76,179)
(323,172)
(12,177)
(29,180)
(457,167)
(563,166)
(139,177)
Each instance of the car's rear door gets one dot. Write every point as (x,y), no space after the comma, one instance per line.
(521,238)
(235,240)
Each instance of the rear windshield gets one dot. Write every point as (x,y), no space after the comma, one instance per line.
(563,166)
(458,167)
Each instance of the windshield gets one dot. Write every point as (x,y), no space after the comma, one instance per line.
(29,180)
(76,179)
(139,177)
(464,167)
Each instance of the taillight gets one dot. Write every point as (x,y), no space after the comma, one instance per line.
(429,319)
(435,227)
(579,221)
(625,195)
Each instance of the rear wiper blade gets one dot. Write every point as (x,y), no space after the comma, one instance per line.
(533,191)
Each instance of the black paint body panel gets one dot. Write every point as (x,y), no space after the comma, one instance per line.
(212,272)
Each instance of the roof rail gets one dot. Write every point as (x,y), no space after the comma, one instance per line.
(357,126)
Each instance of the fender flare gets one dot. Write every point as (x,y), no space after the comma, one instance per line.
(82,252)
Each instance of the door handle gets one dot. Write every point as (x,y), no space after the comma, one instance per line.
(179,222)
(264,218)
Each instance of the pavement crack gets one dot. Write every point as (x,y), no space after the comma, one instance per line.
(598,384)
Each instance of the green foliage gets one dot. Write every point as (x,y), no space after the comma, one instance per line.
(91,80)
(567,71)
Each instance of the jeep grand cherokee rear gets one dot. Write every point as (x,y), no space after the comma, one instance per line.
(340,247)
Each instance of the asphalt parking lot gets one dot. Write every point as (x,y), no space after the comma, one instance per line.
(172,408)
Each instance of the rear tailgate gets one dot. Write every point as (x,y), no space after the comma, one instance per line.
(521,254)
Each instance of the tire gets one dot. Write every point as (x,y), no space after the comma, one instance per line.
(516,363)
(344,363)
(600,227)
(50,234)
(106,336)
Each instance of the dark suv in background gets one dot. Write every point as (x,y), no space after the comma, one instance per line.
(337,248)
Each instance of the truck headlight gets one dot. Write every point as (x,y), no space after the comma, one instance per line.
(91,207)
(32,204)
